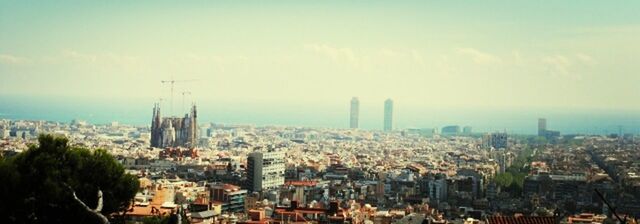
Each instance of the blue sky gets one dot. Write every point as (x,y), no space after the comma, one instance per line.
(507,55)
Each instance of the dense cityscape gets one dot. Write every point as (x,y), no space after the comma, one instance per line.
(319,112)
(279,174)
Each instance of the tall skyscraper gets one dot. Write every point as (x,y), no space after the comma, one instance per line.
(544,132)
(265,169)
(173,131)
(388,115)
(542,126)
(499,140)
(355,110)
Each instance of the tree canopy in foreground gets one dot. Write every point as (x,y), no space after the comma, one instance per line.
(56,183)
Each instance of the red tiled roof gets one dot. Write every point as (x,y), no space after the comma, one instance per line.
(286,215)
(254,222)
(520,220)
(302,183)
(302,210)
(226,187)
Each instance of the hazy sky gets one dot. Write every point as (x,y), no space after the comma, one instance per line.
(424,54)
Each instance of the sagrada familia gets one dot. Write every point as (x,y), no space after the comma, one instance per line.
(174,131)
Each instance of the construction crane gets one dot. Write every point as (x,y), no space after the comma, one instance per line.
(172,82)
(184,93)
(613,210)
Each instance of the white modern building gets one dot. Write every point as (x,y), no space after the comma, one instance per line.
(265,169)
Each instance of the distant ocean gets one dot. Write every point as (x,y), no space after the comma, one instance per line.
(332,116)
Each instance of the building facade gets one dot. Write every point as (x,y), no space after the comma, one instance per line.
(467,130)
(542,126)
(544,132)
(355,110)
(174,131)
(265,170)
(438,190)
(499,140)
(451,130)
(230,196)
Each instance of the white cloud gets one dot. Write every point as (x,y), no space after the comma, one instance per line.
(479,57)
(518,60)
(79,57)
(586,59)
(417,57)
(569,66)
(105,59)
(557,65)
(336,54)
(372,60)
(220,62)
(12,59)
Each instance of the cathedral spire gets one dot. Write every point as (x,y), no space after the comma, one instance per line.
(173,131)
(194,113)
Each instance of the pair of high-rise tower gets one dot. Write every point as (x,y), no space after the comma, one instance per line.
(355,113)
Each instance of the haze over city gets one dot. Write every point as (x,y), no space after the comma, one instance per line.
(307,60)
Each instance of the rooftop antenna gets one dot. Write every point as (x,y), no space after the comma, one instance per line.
(172,82)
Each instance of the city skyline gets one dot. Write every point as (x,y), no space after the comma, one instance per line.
(332,116)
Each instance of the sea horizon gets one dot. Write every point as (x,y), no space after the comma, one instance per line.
(513,121)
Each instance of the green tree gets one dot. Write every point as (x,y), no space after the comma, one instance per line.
(504,179)
(518,179)
(56,183)
(156,220)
